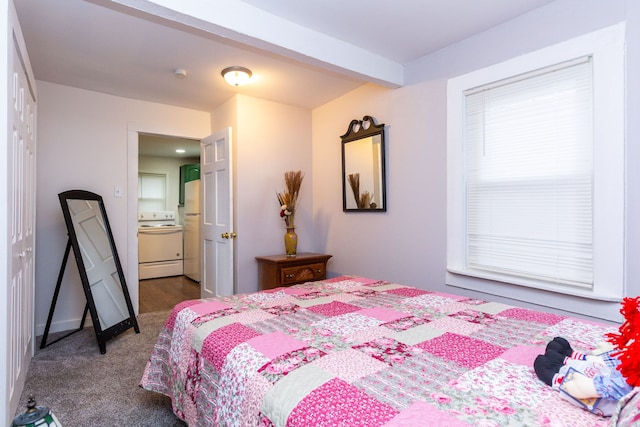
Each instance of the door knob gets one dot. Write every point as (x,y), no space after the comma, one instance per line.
(225,235)
(229,235)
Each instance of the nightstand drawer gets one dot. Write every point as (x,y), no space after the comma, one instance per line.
(280,270)
(303,273)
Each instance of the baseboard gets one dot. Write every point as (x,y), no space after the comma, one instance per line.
(63,325)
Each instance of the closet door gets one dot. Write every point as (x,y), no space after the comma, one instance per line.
(21,215)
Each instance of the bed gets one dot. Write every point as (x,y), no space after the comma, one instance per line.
(353,351)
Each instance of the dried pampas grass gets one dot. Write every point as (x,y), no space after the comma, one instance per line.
(354,182)
(363,201)
(289,198)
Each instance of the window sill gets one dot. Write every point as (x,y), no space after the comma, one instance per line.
(504,281)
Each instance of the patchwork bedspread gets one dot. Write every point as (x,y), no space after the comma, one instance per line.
(351,351)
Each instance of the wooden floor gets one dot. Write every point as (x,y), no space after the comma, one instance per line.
(163,293)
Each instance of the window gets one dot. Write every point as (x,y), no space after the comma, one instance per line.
(152,192)
(536,170)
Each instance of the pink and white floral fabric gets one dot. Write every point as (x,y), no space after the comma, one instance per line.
(352,351)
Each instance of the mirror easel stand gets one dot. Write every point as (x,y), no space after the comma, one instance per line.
(98,264)
(56,292)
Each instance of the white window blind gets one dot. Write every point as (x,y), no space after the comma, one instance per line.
(529,175)
(152,192)
(536,175)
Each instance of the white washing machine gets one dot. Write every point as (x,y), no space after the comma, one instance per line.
(159,245)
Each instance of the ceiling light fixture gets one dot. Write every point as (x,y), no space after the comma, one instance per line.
(236,76)
(180,150)
(180,73)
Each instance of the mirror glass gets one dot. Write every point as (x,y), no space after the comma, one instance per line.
(363,167)
(99,266)
(99,263)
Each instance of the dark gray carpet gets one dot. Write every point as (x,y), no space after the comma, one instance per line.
(85,388)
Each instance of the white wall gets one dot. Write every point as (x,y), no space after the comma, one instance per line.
(170,167)
(356,238)
(269,139)
(83,144)
(408,243)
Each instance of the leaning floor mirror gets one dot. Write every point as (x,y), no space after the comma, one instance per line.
(363,167)
(99,266)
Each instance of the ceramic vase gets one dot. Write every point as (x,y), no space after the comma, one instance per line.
(291,242)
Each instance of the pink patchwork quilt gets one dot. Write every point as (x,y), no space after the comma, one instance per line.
(351,351)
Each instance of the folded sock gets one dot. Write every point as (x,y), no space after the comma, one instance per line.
(560,345)
(555,359)
(547,366)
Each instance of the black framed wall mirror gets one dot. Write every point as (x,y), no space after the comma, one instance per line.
(363,167)
(101,274)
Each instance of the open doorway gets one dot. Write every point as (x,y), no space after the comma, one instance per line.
(166,167)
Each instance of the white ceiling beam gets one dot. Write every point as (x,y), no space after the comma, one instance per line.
(246,24)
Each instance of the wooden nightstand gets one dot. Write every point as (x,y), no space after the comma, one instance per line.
(279,270)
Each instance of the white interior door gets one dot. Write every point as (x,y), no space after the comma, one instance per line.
(21,173)
(216,193)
